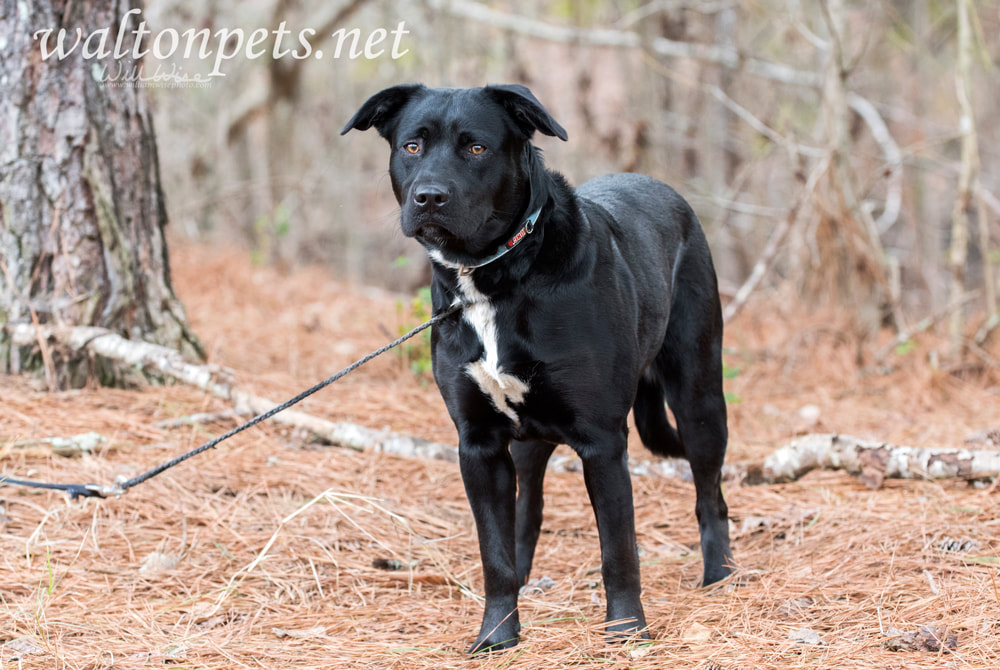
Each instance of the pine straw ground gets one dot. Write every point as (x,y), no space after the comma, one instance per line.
(271,552)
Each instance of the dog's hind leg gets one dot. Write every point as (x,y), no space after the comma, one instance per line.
(690,366)
(530,459)
(606,474)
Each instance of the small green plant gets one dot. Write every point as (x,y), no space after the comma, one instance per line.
(268,229)
(417,351)
(731,373)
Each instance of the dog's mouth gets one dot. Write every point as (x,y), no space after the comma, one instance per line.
(455,248)
(436,235)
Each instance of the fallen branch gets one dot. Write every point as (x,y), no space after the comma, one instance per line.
(872,462)
(69,447)
(216,380)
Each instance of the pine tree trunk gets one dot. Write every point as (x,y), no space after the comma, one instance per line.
(81,204)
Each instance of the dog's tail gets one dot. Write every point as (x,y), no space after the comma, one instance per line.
(651,419)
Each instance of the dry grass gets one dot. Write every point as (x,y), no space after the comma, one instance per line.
(260,554)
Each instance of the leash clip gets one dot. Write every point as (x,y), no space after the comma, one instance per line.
(115,489)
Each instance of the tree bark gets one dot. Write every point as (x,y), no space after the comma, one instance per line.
(82,211)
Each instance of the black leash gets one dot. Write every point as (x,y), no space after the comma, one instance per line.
(122,484)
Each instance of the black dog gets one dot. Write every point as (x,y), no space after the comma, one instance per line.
(582,305)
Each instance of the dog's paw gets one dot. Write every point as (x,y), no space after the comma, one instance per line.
(717,573)
(492,644)
(626,630)
(499,631)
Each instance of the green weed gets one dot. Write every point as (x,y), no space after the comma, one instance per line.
(416,352)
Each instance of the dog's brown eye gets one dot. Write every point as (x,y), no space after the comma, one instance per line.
(477,149)
(412,147)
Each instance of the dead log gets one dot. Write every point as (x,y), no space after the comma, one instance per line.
(218,381)
(872,462)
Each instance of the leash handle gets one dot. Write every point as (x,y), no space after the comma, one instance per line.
(122,485)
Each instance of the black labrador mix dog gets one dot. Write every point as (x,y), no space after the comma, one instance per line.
(581,305)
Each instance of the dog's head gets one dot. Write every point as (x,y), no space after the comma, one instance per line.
(461,161)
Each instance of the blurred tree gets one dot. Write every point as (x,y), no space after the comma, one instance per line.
(262,132)
(968,187)
(81,206)
(852,260)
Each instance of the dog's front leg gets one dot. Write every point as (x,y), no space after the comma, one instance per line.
(488,475)
(605,471)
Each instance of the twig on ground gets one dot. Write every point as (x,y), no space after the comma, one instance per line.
(872,462)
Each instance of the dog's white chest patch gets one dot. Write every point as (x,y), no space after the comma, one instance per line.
(502,388)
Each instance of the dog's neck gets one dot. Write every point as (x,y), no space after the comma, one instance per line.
(552,243)
(466,268)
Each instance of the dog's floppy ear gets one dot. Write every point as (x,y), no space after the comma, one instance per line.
(380,109)
(525,110)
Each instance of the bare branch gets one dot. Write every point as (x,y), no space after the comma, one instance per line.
(658,6)
(257,100)
(774,243)
(925,324)
(214,380)
(724,56)
(795,8)
(835,24)
(601,37)
(742,112)
(988,198)
(893,158)
(985,330)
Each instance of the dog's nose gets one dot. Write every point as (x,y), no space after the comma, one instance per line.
(430,196)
